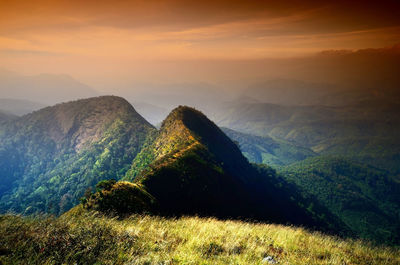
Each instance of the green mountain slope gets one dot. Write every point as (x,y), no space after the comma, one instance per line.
(50,157)
(363,197)
(191,167)
(366,131)
(188,172)
(267,150)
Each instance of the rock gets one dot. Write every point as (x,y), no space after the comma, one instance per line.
(269,260)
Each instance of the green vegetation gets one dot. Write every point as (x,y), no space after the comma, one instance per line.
(50,157)
(82,237)
(53,157)
(366,199)
(366,131)
(118,198)
(267,150)
(191,167)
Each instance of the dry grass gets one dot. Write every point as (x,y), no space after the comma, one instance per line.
(89,238)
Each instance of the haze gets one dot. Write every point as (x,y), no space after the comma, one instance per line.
(175,51)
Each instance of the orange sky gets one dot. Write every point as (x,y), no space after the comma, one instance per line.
(94,40)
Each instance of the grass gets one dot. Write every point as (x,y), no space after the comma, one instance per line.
(80,237)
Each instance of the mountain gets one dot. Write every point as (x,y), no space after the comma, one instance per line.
(46,88)
(293,92)
(6,116)
(191,167)
(50,157)
(267,150)
(19,107)
(170,95)
(366,131)
(366,199)
(187,169)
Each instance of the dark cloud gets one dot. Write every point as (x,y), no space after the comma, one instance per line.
(323,16)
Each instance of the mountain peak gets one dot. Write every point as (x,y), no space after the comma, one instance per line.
(82,121)
(191,167)
(74,144)
(181,113)
(191,125)
(108,103)
(187,129)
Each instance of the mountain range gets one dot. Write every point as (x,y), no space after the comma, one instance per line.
(47,89)
(51,156)
(366,131)
(268,150)
(102,152)
(19,107)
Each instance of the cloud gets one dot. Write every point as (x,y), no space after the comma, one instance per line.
(14,52)
(177,15)
(139,38)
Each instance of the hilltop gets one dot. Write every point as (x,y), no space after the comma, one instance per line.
(191,167)
(48,158)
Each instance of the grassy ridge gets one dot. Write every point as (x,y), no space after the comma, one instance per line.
(80,237)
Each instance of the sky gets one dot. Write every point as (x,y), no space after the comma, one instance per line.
(112,44)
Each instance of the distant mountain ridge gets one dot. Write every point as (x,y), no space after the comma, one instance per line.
(19,107)
(293,92)
(267,150)
(6,116)
(366,131)
(45,88)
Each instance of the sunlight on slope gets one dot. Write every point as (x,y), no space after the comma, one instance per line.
(87,237)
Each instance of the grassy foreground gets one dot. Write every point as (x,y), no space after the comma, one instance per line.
(80,237)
